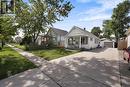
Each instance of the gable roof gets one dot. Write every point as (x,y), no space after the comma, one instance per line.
(106,40)
(83,30)
(59,31)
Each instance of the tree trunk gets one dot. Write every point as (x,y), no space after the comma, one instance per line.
(2,44)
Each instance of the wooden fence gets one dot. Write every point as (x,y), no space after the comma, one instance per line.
(122,44)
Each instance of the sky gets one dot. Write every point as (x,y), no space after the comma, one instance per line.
(87,14)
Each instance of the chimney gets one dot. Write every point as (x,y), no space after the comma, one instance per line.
(84,28)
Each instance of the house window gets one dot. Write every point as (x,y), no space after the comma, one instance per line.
(84,40)
(91,39)
(70,41)
(96,41)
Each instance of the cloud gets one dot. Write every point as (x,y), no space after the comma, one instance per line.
(96,17)
(83,1)
(99,13)
(109,4)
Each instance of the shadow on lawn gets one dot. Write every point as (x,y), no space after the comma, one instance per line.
(12,64)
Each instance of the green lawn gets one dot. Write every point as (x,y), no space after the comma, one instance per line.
(49,54)
(53,53)
(11,63)
(18,46)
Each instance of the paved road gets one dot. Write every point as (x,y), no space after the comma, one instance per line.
(98,68)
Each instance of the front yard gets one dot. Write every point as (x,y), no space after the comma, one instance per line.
(53,53)
(12,63)
(50,53)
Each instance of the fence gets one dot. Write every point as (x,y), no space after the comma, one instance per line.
(122,44)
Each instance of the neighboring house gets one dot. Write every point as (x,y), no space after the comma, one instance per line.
(107,43)
(55,35)
(58,36)
(80,38)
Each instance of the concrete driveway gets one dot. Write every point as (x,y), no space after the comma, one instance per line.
(100,66)
(97,68)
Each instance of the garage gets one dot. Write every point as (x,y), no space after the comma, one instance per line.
(108,44)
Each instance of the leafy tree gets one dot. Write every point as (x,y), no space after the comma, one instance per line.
(7,28)
(121,19)
(35,18)
(96,31)
(107,29)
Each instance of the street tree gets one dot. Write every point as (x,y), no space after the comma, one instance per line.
(38,15)
(107,29)
(7,28)
(96,31)
(121,19)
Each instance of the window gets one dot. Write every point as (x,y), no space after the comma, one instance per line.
(96,41)
(70,41)
(91,39)
(84,40)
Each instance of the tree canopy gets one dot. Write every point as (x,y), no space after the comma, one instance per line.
(96,31)
(35,17)
(7,28)
(121,19)
(107,29)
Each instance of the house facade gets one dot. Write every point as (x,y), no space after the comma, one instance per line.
(55,35)
(80,38)
(58,36)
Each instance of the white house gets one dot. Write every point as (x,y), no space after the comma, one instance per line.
(55,35)
(80,38)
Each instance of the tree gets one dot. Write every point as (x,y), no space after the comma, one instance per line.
(107,29)
(121,19)
(7,29)
(37,17)
(96,31)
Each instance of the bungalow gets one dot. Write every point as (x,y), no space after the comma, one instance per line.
(55,35)
(80,38)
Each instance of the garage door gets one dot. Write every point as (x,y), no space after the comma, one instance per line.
(108,44)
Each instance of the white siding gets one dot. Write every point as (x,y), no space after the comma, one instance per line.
(78,32)
(92,43)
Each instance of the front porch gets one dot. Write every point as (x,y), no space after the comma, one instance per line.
(76,42)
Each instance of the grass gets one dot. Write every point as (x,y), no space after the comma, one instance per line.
(19,46)
(12,63)
(48,54)
(53,53)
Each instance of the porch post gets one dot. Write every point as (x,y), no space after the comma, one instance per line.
(79,41)
(66,42)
